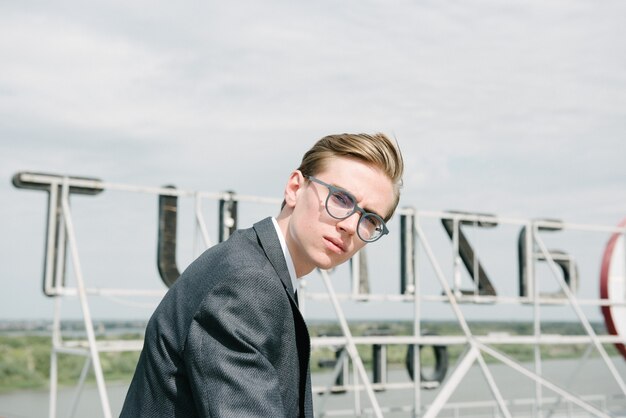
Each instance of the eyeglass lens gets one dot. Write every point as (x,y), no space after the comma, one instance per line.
(340,205)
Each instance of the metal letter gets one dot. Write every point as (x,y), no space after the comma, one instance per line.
(228,216)
(407,252)
(562,259)
(56,243)
(166,249)
(466,252)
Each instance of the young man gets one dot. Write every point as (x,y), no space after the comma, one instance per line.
(228,339)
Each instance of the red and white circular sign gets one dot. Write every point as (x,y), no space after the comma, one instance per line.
(613,286)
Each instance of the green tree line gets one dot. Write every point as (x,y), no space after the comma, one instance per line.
(25,359)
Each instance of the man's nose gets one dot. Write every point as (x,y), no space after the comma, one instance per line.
(350,224)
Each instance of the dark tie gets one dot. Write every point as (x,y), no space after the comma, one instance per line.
(295,296)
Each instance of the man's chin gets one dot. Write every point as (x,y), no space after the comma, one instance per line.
(332,263)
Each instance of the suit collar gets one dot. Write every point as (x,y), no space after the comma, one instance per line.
(268,239)
(283,246)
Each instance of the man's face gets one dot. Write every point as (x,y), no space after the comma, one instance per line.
(317,240)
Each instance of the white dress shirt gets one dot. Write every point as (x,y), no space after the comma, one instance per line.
(283,245)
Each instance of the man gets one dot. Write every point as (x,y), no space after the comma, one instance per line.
(228,339)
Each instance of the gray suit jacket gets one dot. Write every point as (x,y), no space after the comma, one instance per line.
(227,340)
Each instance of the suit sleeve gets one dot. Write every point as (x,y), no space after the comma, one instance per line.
(232,346)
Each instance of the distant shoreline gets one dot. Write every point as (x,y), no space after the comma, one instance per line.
(26,346)
(38,325)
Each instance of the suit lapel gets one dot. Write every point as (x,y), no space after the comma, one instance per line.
(271,245)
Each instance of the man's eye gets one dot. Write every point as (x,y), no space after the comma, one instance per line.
(372,223)
(343,200)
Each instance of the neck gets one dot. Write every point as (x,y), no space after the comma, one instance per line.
(283,222)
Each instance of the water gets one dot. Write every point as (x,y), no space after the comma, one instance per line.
(592,379)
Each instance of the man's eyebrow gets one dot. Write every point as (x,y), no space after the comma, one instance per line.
(374,212)
(368,210)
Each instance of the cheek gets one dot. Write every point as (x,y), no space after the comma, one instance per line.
(308,212)
(305,228)
(305,219)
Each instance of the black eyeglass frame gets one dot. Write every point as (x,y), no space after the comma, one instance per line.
(332,190)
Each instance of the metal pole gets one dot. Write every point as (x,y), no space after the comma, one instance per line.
(91,338)
(53,383)
(227,215)
(355,264)
(407,251)
(79,387)
(450,386)
(573,375)
(534,290)
(493,387)
(570,397)
(339,365)
(350,346)
(454,380)
(358,409)
(581,316)
(200,223)
(56,341)
(417,324)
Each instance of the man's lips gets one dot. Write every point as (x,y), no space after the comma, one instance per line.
(335,244)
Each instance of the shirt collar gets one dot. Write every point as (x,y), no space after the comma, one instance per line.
(290,267)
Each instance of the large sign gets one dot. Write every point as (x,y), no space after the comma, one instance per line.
(613,286)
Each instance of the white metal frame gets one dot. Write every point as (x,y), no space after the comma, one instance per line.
(91,347)
(482,344)
(477,345)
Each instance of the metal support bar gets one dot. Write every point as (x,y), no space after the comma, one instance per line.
(407,251)
(417,317)
(573,375)
(359,272)
(350,346)
(80,385)
(200,223)
(581,315)
(527,277)
(453,381)
(492,385)
(227,215)
(54,367)
(570,397)
(62,233)
(91,338)
(339,364)
(460,318)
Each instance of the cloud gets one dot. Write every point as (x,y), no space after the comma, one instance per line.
(512,108)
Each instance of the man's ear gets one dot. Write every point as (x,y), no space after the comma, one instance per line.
(294,185)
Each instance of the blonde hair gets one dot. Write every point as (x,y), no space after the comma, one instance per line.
(377,150)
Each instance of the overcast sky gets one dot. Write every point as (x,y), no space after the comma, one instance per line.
(514,108)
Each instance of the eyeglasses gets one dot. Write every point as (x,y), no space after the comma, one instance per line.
(340,204)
